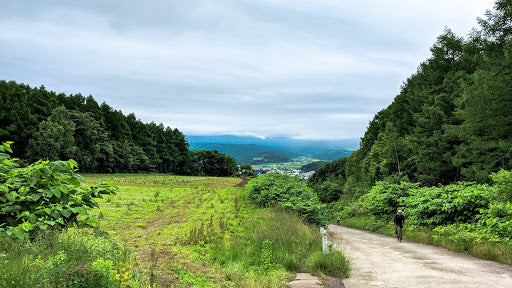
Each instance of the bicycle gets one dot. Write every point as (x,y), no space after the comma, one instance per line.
(398,233)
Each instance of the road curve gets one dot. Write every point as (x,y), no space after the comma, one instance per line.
(380,261)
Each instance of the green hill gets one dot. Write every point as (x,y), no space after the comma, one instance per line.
(247,153)
(279,153)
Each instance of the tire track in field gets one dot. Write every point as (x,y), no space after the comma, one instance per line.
(158,256)
(163,218)
(154,252)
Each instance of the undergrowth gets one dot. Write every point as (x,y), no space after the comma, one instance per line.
(69,258)
(279,243)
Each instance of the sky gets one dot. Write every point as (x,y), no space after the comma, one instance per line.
(308,69)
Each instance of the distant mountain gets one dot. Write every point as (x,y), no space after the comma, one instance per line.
(247,153)
(256,150)
(277,142)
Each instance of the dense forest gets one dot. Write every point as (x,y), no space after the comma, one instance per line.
(452,119)
(441,151)
(50,126)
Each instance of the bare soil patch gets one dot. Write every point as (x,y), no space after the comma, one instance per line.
(243,182)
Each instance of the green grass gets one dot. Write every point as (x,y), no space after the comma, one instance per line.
(54,255)
(167,215)
(334,264)
(173,231)
(205,230)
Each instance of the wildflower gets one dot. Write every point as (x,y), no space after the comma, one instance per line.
(38,285)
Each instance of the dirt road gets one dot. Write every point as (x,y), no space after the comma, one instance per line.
(380,261)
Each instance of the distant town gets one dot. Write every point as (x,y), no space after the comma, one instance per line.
(292,168)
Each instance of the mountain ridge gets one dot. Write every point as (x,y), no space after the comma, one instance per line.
(254,150)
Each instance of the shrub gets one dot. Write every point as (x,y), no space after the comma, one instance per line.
(328,191)
(289,192)
(385,198)
(455,203)
(497,221)
(42,195)
(503,180)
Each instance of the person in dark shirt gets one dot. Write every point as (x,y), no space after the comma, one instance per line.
(399,220)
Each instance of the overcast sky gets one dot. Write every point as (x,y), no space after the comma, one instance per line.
(315,69)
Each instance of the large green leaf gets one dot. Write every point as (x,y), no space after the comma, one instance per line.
(33,180)
(51,223)
(4,188)
(66,213)
(36,197)
(26,226)
(57,193)
(46,171)
(17,231)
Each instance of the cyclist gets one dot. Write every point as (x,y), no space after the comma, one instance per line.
(399,220)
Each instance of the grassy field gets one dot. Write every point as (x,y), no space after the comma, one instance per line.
(172,231)
(169,219)
(206,232)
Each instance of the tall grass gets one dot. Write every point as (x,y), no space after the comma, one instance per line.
(333,264)
(52,255)
(278,243)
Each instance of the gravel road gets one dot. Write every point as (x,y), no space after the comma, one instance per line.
(381,261)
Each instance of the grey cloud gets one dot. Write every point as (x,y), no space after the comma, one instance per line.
(309,69)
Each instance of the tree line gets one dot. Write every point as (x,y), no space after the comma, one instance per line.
(451,121)
(50,126)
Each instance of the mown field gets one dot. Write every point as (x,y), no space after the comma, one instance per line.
(167,220)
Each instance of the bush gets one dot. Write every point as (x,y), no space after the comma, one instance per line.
(497,221)
(455,203)
(328,191)
(42,195)
(385,198)
(503,180)
(289,192)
